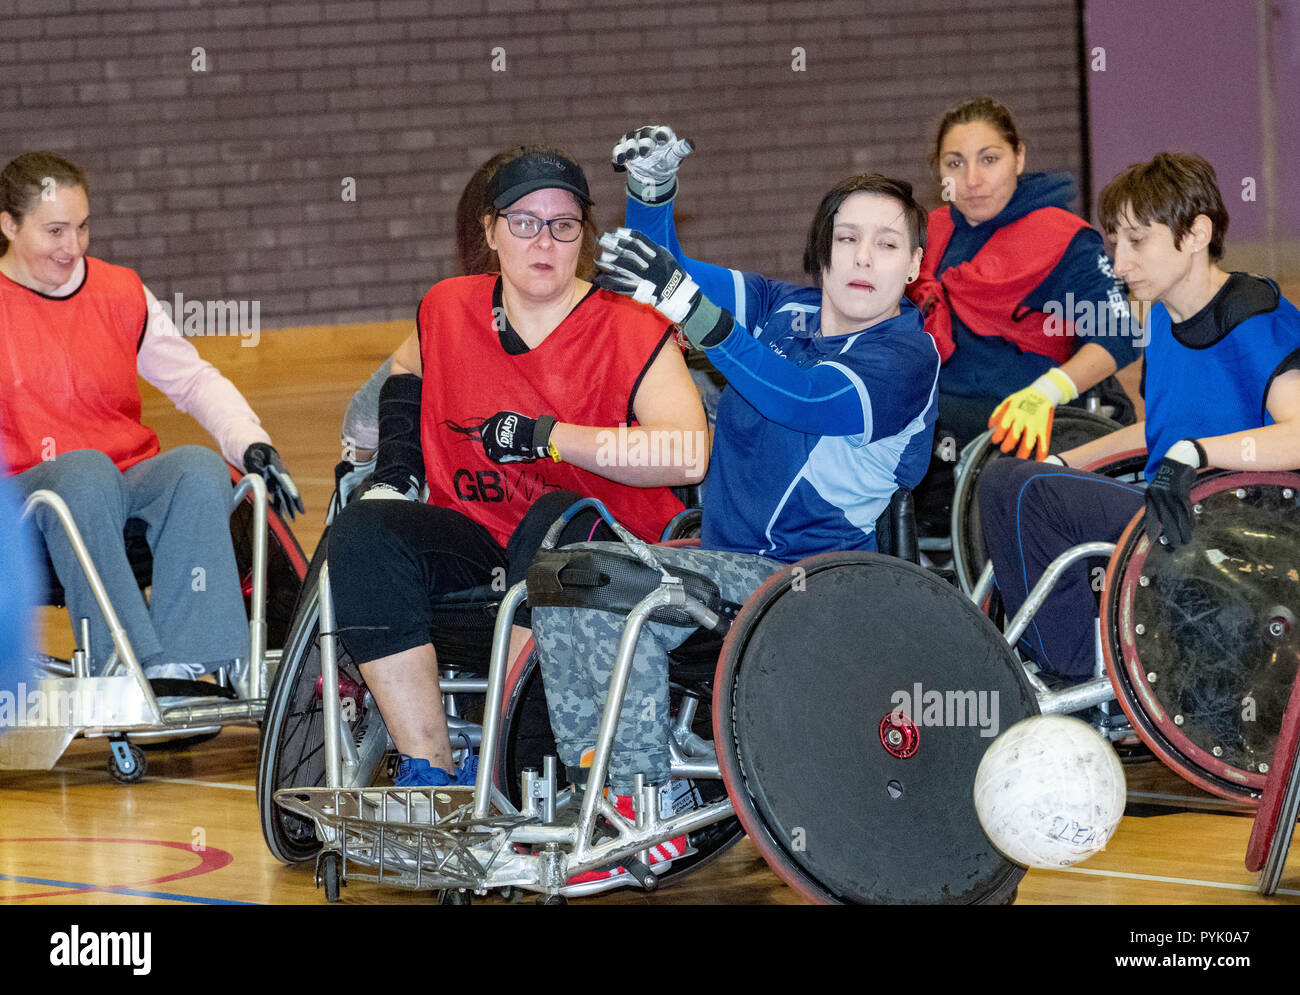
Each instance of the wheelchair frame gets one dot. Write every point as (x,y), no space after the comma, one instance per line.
(461,839)
(120,701)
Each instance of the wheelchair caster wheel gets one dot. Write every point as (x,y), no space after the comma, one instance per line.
(127,772)
(452,897)
(552,900)
(329,875)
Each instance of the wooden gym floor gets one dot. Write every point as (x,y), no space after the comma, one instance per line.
(189,832)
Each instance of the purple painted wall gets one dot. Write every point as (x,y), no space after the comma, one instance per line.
(1286,88)
(1184,75)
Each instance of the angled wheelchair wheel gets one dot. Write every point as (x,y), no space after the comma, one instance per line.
(526,738)
(1071,427)
(854,699)
(1202,643)
(292,748)
(286,566)
(1128,467)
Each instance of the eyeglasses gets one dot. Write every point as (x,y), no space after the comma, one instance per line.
(530,226)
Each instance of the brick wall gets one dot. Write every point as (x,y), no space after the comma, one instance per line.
(227,182)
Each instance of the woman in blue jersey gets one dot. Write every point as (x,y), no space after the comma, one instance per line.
(1222,367)
(829,409)
(1017,291)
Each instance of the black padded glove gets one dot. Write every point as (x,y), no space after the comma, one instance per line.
(509,437)
(281,491)
(1169,495)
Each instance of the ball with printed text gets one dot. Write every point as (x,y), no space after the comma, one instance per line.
(1050,792)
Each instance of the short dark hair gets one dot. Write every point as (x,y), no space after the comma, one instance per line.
(817,252)
(22,181)
(1172,189)
(986,109)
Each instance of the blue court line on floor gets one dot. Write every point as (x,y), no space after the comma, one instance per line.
(136,892)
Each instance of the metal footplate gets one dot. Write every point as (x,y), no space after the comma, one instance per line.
(428,839)
(418,838)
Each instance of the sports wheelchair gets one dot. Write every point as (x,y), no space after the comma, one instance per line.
(120,703)
(858,800)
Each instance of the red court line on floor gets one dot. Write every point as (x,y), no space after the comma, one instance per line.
(210,859)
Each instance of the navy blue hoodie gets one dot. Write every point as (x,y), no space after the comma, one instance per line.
(992,367)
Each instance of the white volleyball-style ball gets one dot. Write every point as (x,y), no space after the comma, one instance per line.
(1050,792)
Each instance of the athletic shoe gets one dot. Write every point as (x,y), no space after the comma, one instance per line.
(661,855)
(467,772)
(416,772)
(175,671)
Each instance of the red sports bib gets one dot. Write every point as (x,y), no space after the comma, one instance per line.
(987,292)
(68,370)
(585,373)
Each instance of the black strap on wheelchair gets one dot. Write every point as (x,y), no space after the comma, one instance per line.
(614,581)
(166,687)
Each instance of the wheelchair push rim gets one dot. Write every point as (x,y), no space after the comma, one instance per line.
(870,799)
(1201,644)
(1071,427)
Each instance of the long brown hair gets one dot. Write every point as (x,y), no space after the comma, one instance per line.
(27,177)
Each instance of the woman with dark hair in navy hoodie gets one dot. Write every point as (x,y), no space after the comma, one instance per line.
(1017,292)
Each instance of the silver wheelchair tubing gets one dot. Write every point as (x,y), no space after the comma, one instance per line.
(121,642)
(340,750)
(469,851)
(251,682)
(632,839)
(255,681)
(1068,700)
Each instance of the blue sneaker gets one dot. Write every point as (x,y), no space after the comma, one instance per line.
(467,773)
(416,772)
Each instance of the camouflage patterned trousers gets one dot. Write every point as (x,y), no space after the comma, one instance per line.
(577,648)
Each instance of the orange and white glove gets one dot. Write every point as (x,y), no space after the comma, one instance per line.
(1025,418)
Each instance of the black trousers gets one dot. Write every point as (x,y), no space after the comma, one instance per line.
(1033,512)
(392,561)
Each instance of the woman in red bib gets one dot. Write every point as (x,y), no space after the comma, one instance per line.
(518,392)
(75,333)
(1018,293)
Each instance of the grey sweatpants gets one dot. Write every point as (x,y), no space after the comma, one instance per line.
(196,612)
(577,647)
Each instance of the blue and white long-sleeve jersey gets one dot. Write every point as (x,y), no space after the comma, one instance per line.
(813,434)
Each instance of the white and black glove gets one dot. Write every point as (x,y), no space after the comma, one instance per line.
(281,491)
(633,265)
(1169,495)
(651,155)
